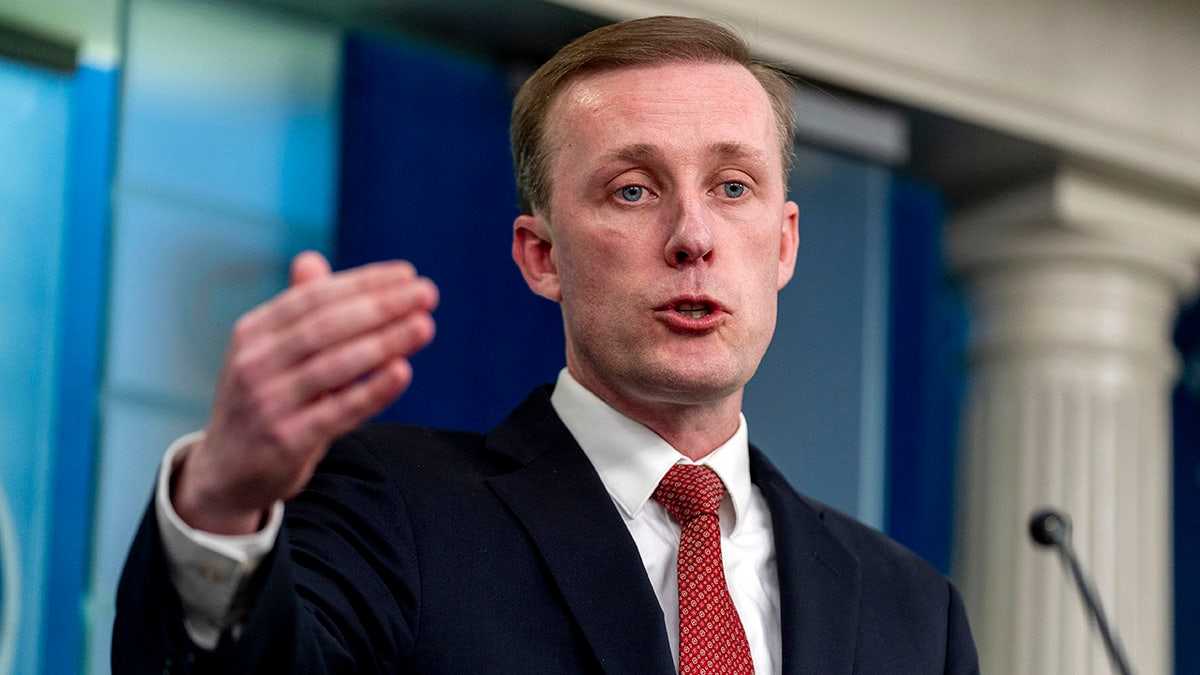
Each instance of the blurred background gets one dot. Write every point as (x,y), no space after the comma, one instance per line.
(993,309)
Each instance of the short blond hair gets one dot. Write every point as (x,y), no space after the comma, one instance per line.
(639,42)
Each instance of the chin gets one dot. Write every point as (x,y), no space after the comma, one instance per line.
(691,385)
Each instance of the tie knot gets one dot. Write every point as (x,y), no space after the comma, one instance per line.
(689,490)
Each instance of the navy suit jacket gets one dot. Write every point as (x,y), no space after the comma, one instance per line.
(415,550)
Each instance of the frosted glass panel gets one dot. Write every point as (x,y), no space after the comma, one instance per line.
(181,277)
(229,107)
(141,432)
(817,403)
(226,168)
(33,152)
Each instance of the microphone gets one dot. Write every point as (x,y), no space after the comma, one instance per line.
(1051,528)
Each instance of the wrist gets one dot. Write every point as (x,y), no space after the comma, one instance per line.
(201,509)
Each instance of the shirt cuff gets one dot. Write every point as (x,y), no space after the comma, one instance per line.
(210,571)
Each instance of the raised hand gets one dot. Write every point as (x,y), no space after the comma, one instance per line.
(301,369)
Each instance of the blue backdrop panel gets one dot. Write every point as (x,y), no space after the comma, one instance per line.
(1186,411)
(427,177)
(83,278)
(927,328)
(35,108)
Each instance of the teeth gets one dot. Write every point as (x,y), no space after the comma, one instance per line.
(693,310)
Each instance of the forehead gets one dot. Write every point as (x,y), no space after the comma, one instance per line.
(679,108)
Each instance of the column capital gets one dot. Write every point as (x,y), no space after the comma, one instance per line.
(1081,214)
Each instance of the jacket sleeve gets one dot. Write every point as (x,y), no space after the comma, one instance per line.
(341,581)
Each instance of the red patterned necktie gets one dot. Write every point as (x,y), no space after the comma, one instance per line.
(711,638)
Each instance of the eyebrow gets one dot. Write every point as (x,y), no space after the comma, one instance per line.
(735,150)
(638,153)
(635,154)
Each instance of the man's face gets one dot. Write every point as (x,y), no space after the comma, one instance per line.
(668,235)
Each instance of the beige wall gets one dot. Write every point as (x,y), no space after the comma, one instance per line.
(1105,80)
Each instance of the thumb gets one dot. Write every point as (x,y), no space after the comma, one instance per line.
(309,266)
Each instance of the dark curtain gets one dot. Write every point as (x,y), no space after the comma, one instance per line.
(426,175)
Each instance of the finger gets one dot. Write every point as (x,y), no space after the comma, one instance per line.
(301,300)
(331,325)
(309,266)
(335,369)
(331,416)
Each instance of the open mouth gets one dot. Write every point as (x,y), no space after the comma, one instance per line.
(694,310)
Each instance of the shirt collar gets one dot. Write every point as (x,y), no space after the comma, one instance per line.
(631,459)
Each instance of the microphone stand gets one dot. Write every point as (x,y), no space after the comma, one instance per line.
(1051,528)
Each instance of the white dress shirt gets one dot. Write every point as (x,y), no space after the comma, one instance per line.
(631,460)
(210,571)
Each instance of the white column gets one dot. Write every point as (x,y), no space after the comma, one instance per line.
(1074,285)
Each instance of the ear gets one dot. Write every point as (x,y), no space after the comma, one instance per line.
(789,243)
(532,250)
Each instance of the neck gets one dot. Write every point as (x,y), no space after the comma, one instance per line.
(694,429)
(693,432)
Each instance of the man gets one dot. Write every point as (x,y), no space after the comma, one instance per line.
(651,160)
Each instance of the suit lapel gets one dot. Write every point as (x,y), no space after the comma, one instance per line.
(569,516)
(819,582)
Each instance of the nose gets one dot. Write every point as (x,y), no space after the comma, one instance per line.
(691,238)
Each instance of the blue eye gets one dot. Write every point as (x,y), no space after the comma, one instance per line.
(733,190)
(632,193)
